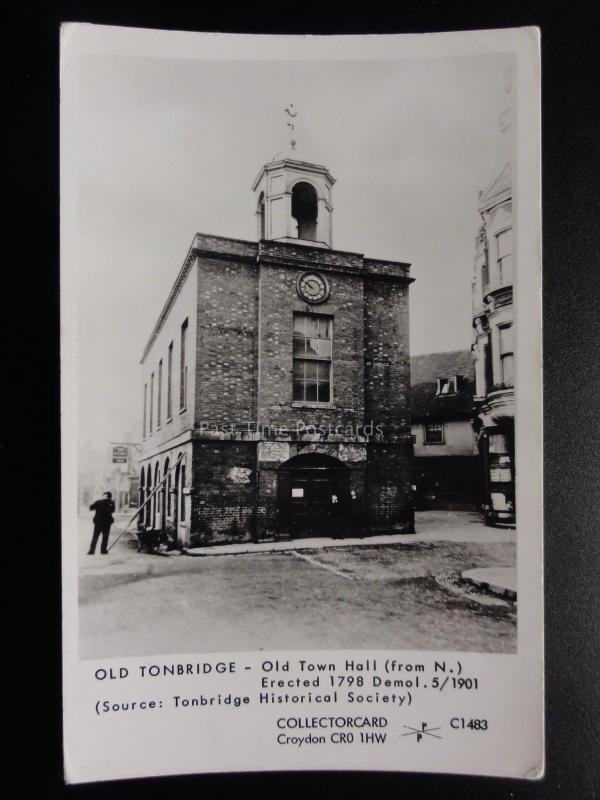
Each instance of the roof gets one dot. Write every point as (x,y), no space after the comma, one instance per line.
(293,163)
(425,371)
(499,189)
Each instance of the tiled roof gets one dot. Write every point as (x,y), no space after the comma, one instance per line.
(426,369)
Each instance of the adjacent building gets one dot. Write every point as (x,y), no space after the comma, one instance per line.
(447,465)
(111,468)
(277,379)
(493,348)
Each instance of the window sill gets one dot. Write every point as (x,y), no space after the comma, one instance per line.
(308,404)
(169,419)
(181,410)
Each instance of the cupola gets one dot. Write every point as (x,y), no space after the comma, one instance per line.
(293,202)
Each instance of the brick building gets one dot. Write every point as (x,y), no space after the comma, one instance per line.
(276,377)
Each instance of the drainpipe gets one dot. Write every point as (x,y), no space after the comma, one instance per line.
(255,534)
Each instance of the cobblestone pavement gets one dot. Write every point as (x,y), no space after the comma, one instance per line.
(368,594)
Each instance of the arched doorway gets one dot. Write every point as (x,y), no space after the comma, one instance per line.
(142,487)
(176,496)
(157,500)
(166,499)
(305,209)
(305,487)
(148,514)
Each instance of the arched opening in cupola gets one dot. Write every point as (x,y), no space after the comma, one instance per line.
(261,216)
(304,210)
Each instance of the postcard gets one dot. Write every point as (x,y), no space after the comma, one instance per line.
(302,403)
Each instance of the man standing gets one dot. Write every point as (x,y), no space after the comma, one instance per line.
(103,519)
(356,514)
(336,517)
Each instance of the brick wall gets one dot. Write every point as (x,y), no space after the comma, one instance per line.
(278,301)
(241,297)
(206,243)
(227,364)
(386,355)
(312,257)
(223,492)
(388,482)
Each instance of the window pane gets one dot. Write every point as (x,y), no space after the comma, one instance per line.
(500,469)
(311,370)
(312,326)
(506,268)
(311,391)
(497,443)
(507,370)
(434,433)
(506,340)
(325,348)
(299,324)
(312,354)
(298,390)
(504,243)
(324,328)
(312,347)
(323,371)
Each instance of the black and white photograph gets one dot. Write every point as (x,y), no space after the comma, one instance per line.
(293,282)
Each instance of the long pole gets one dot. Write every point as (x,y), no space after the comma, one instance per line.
(147,500)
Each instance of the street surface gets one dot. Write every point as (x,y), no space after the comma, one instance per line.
(363,594)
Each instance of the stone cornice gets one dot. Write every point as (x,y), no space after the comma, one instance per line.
(302,166)
(176,441)
(499,404)
(297,263)
(275,249)
(496,200)
(219,435)
(179,281)
(211,254)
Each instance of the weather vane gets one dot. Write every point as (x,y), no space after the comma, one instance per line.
(291,122)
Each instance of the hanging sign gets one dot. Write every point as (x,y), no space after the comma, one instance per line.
(119,454)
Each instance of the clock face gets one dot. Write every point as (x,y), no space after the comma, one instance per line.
(313,288)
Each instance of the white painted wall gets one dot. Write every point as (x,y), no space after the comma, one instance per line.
(459,440)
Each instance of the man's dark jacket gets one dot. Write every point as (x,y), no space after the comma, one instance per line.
(104,512)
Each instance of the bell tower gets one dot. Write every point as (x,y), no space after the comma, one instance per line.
(293,202)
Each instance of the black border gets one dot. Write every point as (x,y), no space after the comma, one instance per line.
(570,70)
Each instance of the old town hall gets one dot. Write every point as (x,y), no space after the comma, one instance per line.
(276,380)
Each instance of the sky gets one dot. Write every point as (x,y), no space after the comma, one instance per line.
(165,148)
